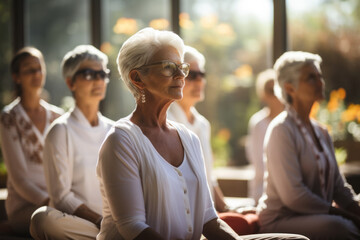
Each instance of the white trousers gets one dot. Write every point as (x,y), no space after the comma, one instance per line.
(49,223)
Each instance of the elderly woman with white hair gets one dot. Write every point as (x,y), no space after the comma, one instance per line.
(71,151)
(305,194)
(151,170)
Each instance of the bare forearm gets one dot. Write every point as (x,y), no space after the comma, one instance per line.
(218,229)
(149,233)
(85,212)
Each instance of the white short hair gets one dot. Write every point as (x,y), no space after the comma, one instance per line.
(73,59)
(262,79)
(193,55)
(288,68)
(140,48)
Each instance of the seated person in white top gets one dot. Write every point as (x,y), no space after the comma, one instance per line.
(258,124)
(71,151)
(151,170)
(23,125)
(303,180)
(184,111)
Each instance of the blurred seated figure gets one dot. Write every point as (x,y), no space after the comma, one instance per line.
(71,150)
(151,169)
(23,125)
(305,193)
(184,111)
(257,127)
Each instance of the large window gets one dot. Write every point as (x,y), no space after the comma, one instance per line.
(121,19)
(234,35)
(236,39)
(55,27)
(332,30)
(6,51)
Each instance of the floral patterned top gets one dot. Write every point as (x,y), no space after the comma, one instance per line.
(22,147)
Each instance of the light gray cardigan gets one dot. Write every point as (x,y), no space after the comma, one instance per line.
(293,183)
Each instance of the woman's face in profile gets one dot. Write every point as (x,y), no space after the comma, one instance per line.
(31,76)
(194,84)
(159,85)
(89,82)
(311,84)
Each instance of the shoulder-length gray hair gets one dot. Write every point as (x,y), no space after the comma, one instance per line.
(288,68)
(73,59)
(140,48)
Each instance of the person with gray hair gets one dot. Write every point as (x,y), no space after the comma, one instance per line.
(71,150)
(305,194)
(151,169)
(183,111)
(258,124)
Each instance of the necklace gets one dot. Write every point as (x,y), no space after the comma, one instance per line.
(322,158)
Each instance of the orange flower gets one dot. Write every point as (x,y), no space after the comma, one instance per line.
(314,110)
(224,134)
(333,103)
(341,93)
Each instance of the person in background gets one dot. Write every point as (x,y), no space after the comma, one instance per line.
(71,150)
(151,169)
(258,124)
(305,193)
(184,111)
(23,125)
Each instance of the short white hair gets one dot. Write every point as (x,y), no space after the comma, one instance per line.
(140,48)
(288,69)
(262,79)
(73,59)
(193,55)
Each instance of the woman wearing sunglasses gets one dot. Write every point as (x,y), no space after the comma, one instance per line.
(183,111)
(151,170)
(23,125)
(71,150)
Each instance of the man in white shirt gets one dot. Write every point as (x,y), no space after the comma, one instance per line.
(71,150)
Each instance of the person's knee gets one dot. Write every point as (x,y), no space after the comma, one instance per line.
(339,227)
(43,224)
(37,222)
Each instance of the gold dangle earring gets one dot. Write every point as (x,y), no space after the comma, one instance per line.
(143,98)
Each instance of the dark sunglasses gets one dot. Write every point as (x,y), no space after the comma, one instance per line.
(194,74)
(168,68)
(91,75)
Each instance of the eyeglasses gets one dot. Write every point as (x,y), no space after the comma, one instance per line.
(91,75)
(194,74)
(31,71)
(168,68)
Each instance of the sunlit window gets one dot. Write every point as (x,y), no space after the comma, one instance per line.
(56,27)
(6,53)
(332,30)
(236,39)
(121,19)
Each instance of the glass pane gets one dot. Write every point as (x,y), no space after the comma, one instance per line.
(55,27)
(6,53)
(332,29)
(121,19)
(235,36)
